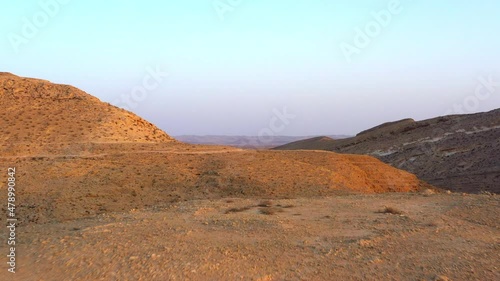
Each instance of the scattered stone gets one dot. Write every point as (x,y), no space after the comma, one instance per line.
(441,278)
(428,192)
(365,243)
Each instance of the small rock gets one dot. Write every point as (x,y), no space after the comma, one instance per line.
(441,278)
(428,192)
(365,243)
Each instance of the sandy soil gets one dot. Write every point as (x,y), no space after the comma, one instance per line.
(436,237)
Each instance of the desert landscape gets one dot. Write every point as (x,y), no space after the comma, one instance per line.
(102,194)
(229,140)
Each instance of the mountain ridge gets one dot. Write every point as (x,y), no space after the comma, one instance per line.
(457,152)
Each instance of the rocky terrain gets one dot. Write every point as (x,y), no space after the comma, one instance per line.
(345,237)
(63,187)
(38,116)
(102,194)
(459,152)
(108,159)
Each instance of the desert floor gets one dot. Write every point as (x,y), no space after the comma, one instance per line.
(345,237)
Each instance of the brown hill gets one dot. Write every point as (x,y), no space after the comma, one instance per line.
(78,157)
(38,115)
(459,152)
(71,187)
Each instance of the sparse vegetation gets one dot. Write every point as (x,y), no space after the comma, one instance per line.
(286,206)
(266,203)
(237,210)
(270,210)
(391,210)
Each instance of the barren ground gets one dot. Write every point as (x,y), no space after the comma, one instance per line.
(331,238)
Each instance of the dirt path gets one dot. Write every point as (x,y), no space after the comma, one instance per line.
(219,151)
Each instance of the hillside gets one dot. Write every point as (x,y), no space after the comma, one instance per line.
(316,143)
(38,115)
(459,152)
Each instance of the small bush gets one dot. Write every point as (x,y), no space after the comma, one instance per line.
(267,203)
(237,210)
(391,210)
(286,206)
(269,210)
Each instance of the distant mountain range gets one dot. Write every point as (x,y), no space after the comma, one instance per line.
(246,141)
(458,152)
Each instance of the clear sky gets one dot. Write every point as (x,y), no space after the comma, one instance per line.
(336,67)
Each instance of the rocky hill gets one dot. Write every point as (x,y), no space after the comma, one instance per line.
(459,152)
(38,115)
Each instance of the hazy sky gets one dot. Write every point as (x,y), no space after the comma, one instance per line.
(336,67)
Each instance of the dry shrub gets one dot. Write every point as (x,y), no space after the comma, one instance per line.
(237,210)
(270,210)
(267,203)
(391,210)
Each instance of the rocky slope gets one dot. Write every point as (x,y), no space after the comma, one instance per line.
(60,187)
(459,152)
(38,115)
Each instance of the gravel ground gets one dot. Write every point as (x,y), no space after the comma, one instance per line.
(350,237)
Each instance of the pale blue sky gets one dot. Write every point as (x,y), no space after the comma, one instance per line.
(227,74)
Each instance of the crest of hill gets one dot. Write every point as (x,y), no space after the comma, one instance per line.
(317,143)
(37,113)
(389,127)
